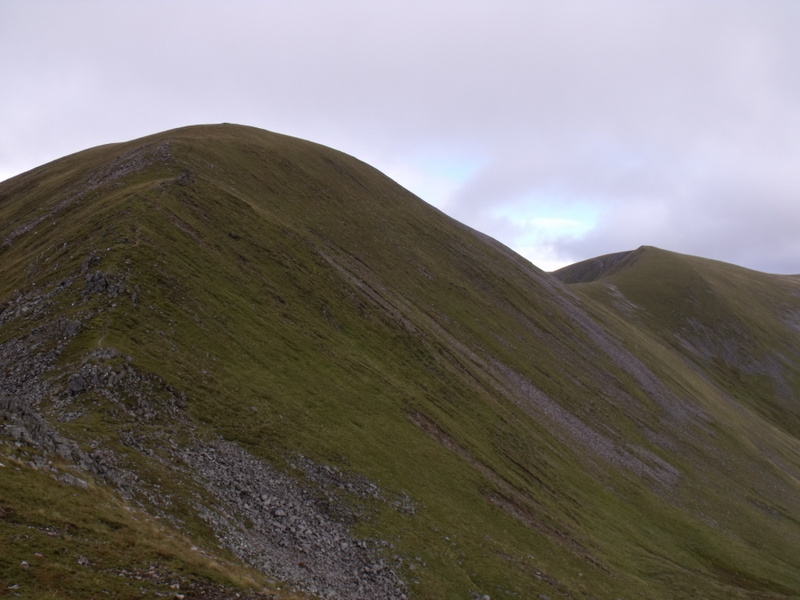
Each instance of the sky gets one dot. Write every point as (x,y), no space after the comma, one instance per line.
(566,129)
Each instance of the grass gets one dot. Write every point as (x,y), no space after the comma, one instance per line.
(80,542)
(305,303)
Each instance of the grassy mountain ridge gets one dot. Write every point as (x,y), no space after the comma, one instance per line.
(737,324)
(308,372)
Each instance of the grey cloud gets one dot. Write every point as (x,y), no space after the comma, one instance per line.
(678,122)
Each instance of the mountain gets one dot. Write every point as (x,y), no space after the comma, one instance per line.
(235,362)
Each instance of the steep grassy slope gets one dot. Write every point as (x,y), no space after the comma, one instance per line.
(738,326)
(737,331)
(304,369)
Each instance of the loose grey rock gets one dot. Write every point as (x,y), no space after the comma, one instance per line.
(298,542)
(72,480)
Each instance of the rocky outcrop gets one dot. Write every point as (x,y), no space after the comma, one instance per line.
(294,531)
(293,528)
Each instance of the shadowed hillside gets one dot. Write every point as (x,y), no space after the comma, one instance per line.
(593,269)
(238,362)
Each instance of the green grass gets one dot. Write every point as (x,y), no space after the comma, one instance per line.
(305,303)
(84,542)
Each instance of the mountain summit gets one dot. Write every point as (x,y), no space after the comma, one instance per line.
(239,364)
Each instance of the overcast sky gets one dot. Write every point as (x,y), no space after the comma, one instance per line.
(565,129)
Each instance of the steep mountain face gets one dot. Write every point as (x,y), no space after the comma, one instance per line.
(736,326)
(237,362)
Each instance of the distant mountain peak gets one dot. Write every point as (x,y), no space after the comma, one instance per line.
(591,269)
